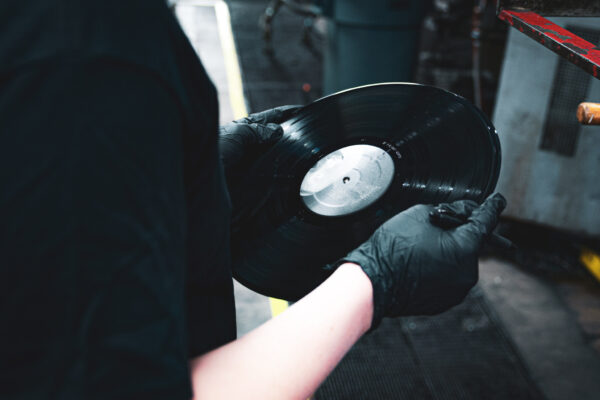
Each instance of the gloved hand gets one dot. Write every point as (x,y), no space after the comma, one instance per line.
(418,268)
(242,141)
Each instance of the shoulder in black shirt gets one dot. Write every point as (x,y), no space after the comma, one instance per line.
(114,239)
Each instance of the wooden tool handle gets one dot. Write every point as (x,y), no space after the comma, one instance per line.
(589,113)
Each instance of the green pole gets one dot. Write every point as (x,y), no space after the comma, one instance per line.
(370,41)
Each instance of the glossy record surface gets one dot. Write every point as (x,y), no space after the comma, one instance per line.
(442,148)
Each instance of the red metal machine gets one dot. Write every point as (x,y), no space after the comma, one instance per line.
(525,15)
(546,192)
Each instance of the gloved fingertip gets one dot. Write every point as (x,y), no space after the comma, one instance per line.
(460,208)
(276,131)
(484,218)
(266,133)
(496,202)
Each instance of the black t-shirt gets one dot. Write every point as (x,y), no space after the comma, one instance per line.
(114,217)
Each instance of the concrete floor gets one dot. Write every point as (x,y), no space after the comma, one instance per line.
(544,329)
(554,326)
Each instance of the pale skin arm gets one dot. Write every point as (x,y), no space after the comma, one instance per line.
(289,356)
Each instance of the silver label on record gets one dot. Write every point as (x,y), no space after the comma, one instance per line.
(347,180)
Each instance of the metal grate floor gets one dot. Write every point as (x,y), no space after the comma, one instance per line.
(461,354)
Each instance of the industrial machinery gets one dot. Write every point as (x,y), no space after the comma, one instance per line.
(360,35)
(550,160)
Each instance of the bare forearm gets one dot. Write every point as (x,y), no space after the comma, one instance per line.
(289,356)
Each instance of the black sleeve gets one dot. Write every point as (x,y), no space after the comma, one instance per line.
(93,236)
(209,284)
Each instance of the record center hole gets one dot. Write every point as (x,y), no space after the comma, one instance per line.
(346,179)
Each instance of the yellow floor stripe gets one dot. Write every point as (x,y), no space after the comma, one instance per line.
(278,306)
(591,260)
(236,93)
(232,67)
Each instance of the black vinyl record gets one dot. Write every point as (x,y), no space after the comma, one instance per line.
(421,144)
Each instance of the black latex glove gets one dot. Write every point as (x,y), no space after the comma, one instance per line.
(417,268)
(241,142)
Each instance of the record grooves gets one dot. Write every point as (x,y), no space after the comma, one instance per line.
(380,149)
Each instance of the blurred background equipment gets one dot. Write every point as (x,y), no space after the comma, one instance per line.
(371,41)
(453,44)
(551,161)
(366,41)
(308,9)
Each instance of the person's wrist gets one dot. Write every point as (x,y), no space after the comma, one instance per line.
(356,273)
(371,269)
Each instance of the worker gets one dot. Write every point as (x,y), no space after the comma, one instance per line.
(114,225)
